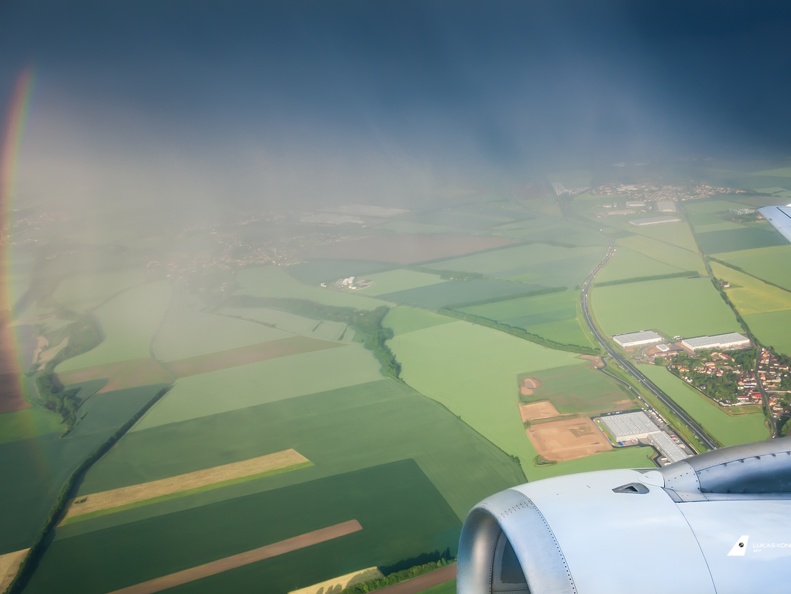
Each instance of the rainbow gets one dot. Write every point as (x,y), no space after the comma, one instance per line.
(11,392)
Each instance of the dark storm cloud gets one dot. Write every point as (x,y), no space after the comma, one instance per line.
(424,86)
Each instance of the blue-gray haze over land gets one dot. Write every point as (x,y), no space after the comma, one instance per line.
(354,100)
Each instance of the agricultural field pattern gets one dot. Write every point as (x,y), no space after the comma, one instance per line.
(327,400)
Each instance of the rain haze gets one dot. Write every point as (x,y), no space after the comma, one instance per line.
(273,249)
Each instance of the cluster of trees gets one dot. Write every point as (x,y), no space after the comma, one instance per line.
(682,274)
(83,335)
(396,577)
(367,324)
(519,332)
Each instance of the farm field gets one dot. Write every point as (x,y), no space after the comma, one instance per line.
(186,332)
(550,230)
(727,429)
(399,280)
(113,500)
(579,389)
(746,238)
(459,292)
(285,323)
(772,329)
(406,248)
(404,319)
(680,258)
(769,263)
(675,306)
(750,295)
(129,322)
(259,383)
(26,423)
(36,468)
(397,506)
(473,371)
(544,264)
(84,291)
(120,375)
(552,316)
(390,422)
(628,264)
(677,234)
(274,281)
(315,272)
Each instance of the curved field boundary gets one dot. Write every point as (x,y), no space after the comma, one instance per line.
(140,494)
(253,556)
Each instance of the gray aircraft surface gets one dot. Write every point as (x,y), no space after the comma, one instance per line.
(716,523)
(780,217)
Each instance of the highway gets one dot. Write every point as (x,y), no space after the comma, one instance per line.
(627,365)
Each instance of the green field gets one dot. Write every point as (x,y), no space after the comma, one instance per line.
(338,430)
(628,264)
(459,292)
(772,329)
(712,206)
(403,319)
(274,281)
(675,234)
(552,316)
(258,383)
(186,332)
(676,306)
(129,322)
(473,370)
(750,295)
(580,389)
(746,238)
(539,263)
(727,429)
(398,280)
(35,469)
(401,513)
(315,272)
(26,423)
(680,258)
(769,263)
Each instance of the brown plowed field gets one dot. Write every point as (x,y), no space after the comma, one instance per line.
(266,552)
(9,565)
(568,439)
(538,410)
(182,482)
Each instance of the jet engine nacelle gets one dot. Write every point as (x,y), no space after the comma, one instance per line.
(716,523)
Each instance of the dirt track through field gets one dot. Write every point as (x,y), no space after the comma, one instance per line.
(183,482)
(253,556)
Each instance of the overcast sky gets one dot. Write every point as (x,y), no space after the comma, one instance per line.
(347,99)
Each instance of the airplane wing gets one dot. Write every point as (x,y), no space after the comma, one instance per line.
(780,217)
(717,523)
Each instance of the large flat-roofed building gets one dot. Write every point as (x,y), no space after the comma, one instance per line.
(630,426)
(636,426)
(654,221)
(732,340)
(633,339)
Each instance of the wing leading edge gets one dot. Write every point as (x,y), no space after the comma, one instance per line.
(780,217)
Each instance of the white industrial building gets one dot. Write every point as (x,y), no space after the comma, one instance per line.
(636,426)
(725,342)
(633,339)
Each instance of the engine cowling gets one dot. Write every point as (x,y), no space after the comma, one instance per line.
(715,523)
